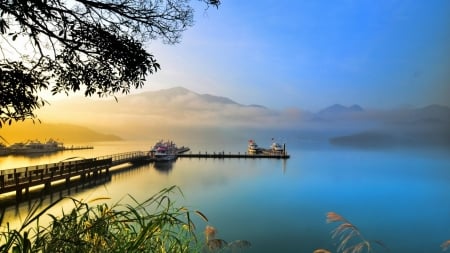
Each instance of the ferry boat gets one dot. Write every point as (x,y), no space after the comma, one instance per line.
(35,146)
(276,147)
(4,150)
(164,151)
(253,148)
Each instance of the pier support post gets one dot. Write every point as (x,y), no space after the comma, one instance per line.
(19,194)
(47,185)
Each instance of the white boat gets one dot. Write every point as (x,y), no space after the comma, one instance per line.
(253,147)
(276,147)
(4,150)
(164,151)
(35,146)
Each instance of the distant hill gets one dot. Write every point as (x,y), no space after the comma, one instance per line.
(339,109)
(432,114)
(153,109)
(337,112)
(181,97)
(67,133)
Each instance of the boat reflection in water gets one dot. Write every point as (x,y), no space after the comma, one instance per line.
(163,167)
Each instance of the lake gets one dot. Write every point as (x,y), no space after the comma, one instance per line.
(398,196)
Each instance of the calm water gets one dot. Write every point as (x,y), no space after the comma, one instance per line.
(401,197)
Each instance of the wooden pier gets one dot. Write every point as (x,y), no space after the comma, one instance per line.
(224,155)
(21,180)
(77,147)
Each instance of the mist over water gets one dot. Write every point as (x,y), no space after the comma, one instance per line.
(397,195)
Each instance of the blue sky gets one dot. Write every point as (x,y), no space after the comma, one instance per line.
(313,53)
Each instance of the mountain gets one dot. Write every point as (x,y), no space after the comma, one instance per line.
(340,109)
(418,127)
(67,133)
(181,98)
(432,114)
(337,112)
(150,111)
(166,111)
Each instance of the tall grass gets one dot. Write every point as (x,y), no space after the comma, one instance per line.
(155,225)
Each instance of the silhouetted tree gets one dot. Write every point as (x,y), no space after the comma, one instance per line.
(90,45)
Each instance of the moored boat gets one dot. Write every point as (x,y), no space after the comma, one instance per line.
(253,148)
(4,150)
(35,146)
(164,151)
(276,147)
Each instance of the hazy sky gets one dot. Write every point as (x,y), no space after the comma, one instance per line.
(313,53)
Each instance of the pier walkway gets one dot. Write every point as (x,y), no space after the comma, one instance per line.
(21,179)
(238,155)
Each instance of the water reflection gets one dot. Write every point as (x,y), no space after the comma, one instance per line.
(368,187)
(283,166)
(32,156)
(58,190)
(163,167)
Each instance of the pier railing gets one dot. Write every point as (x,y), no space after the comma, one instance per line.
(23,178)
(282,155)
(120,158)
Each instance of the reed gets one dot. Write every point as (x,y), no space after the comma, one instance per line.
(445,245)
(155,225)
(214,245)
(349,236)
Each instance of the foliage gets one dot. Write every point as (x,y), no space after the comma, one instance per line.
(155,225)
(96,45)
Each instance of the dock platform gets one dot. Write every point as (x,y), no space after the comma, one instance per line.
(22,179)
(224,155)
(77,147)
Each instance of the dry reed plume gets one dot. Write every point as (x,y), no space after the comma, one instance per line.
(214,244)
(445,245)
(321,251)
(350,238)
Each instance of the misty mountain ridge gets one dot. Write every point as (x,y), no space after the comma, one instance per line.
(183,99)
(67,133)
(340,109)
(180,96)
(178,107)
(337,112)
